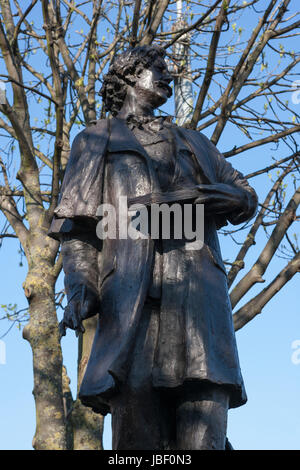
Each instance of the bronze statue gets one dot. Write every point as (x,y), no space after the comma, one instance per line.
(164,360)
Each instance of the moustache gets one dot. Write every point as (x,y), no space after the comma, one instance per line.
(163,84)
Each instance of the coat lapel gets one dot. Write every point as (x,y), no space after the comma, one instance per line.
(82,186)
(122,140)
(198,146)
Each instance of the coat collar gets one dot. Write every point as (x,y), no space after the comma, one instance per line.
(122,139)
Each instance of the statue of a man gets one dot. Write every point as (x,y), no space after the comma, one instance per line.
(164,360)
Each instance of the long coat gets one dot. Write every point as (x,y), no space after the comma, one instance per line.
(124,266)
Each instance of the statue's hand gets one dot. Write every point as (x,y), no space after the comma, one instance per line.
(220,198)
(83,304)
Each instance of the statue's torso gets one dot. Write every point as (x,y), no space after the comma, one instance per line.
(171,157)
(175,167)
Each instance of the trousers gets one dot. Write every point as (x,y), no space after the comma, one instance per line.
(192,416)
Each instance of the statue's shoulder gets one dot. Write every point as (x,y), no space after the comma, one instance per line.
(95,127)
(194,135)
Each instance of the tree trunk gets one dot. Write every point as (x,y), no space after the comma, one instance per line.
(87,425)
(43,336)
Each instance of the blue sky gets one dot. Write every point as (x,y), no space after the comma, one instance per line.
(271,417)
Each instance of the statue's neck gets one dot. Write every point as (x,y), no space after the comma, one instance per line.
(134,105)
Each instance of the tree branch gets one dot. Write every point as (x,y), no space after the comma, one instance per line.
(258,269)
(238,264)
(210,67)
(255,305)
(154,25)
(266,140)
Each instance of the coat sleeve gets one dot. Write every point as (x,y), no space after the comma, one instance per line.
(81,190)
(226,174)
(79,246)
(80,262)
(75,217)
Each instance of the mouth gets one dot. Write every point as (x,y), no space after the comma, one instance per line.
(165,86)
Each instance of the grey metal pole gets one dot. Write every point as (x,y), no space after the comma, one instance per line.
(183,86)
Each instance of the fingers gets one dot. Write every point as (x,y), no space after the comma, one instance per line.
(79,308)
(217,206)
(79,330)
(77,319)
(208,200)
(71,319)
(69,315)
(200,200)
(75,315)
(62,329)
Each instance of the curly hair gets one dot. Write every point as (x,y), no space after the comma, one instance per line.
(121,73)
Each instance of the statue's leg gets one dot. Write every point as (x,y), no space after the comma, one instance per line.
(141,420)
(142,417)
(201,418)
(135,423)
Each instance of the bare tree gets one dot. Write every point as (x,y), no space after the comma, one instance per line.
(53,56)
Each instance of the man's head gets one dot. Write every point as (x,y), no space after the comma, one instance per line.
(142,68)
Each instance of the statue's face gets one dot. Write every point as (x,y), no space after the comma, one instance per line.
(152,84)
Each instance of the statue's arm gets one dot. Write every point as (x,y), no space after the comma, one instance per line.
(231,197)
(245,200)
(80,265)
(74,225)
